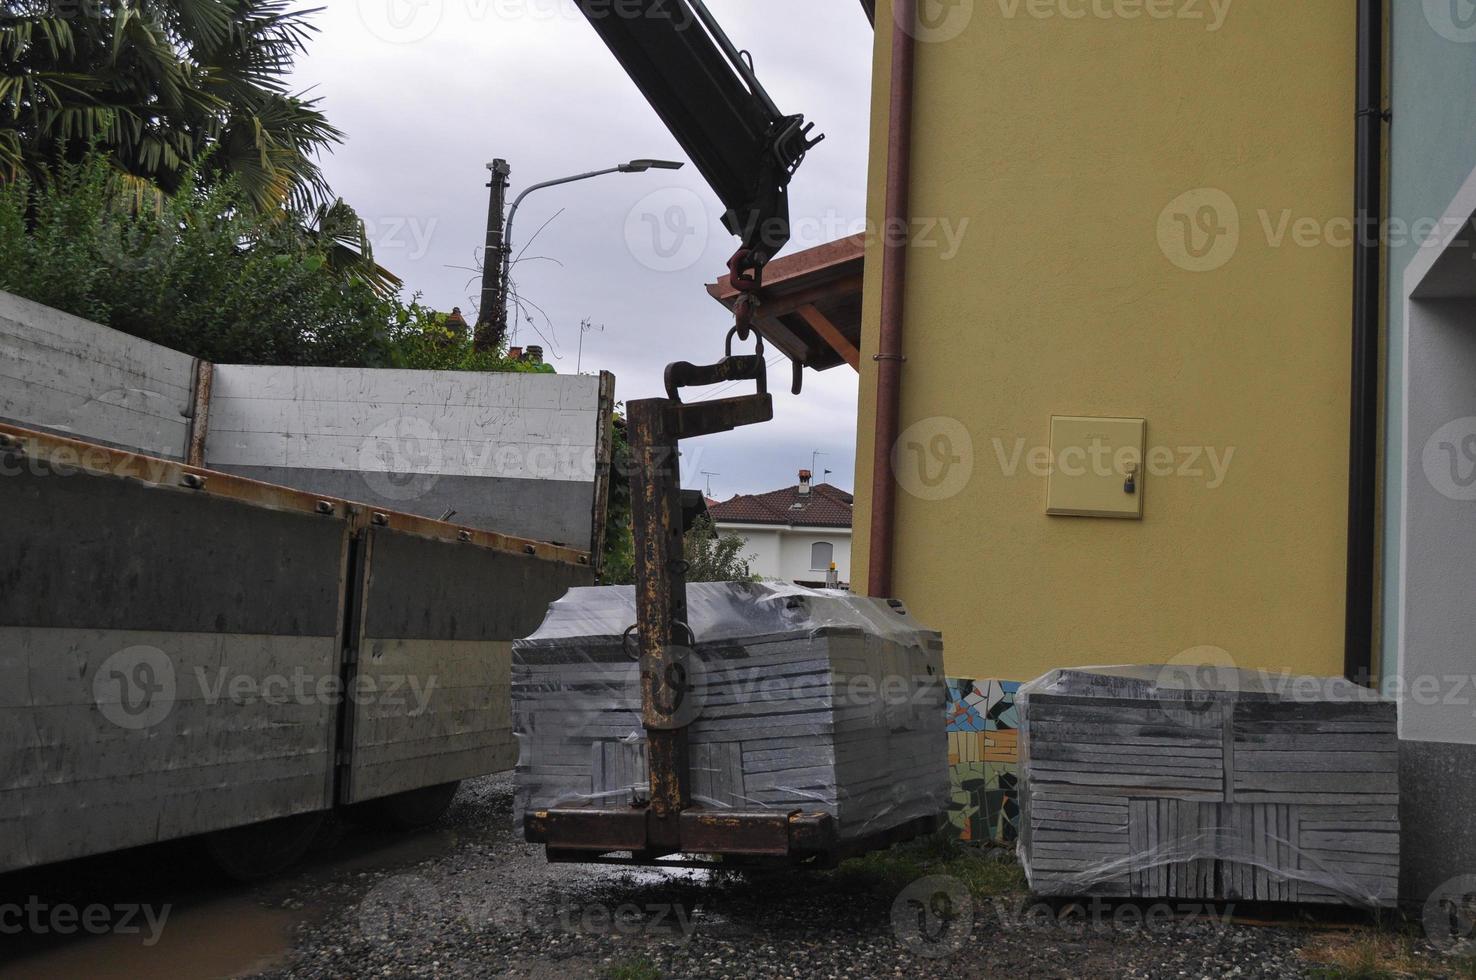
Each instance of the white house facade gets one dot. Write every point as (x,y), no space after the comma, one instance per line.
(794,534)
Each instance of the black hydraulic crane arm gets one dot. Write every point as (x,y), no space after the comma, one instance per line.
(705,91)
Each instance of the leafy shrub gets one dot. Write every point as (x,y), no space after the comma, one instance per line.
(199,272)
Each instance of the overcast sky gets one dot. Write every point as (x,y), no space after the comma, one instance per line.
(428,91)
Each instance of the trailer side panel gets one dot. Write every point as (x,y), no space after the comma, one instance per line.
(433,656)
(163,660)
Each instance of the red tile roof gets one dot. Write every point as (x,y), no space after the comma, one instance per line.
(823,506)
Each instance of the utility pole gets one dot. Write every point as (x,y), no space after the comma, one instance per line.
(491,315)
(585,326)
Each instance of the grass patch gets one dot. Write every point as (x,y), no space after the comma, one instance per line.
(1360,957)
(633,969)
(985,873)
(1379,956)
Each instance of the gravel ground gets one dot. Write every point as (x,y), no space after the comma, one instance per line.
(470,899)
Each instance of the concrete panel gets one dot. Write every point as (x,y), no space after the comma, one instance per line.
(1437,800)
(432,660)
(88,551)
(430,712)
(68,375)
(427,442)
(163,656)
(543,510)
(437,590)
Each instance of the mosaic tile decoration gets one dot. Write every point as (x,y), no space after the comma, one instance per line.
(984,759)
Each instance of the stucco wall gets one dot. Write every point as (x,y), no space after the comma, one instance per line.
(1077,150)
(784,553)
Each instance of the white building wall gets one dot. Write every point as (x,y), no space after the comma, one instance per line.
(784,553)
(762,551)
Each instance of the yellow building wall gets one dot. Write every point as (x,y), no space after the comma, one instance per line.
(1064,141)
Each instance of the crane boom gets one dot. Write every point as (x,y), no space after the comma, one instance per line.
(705,91)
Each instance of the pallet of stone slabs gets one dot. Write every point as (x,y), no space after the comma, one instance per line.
(1162,848)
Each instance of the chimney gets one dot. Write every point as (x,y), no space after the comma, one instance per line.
(534,353)
(804,487)
(515,353)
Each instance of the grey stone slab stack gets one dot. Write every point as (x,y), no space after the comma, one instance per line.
(803,700)
(1209,783)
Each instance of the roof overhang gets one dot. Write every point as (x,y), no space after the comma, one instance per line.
(811,303)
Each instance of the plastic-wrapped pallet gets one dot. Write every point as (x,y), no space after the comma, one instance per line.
(801,699)
(1209,783)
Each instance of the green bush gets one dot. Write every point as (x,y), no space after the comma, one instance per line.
(421,339)
(200,272)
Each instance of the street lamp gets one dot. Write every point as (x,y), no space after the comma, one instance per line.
(633,167)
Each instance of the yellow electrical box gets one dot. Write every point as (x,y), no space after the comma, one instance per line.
(1096,467)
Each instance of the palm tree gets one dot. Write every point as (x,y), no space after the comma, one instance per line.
(163,87)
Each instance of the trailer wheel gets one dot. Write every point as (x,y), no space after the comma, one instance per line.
(263,850)
(409,811)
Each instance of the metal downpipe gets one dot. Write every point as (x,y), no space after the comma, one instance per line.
(893,291)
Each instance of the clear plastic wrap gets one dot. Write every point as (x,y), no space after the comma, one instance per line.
(1208,783)
(801,699)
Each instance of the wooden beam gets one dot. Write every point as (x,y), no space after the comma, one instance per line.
(831,334)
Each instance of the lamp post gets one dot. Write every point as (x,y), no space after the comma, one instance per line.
(498,315)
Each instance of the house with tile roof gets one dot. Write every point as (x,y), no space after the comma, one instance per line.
(793,534)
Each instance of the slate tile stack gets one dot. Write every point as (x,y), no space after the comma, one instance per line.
(1219,784)
(807,700)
